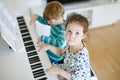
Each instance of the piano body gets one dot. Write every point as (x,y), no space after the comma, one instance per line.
(28,63)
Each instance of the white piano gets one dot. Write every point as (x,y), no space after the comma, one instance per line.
(26,63)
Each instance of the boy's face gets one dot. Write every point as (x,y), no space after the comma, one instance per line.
(55,21)
(74,34)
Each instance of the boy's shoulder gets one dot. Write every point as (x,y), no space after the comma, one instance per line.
(62,26)
(59,26)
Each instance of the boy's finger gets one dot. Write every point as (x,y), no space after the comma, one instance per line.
(39,50)
(37,42)
(30,23)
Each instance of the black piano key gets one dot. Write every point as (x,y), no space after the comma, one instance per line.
(22,23)
(27,39)
(29,43)
(38,65)
(38,73)
(30,48)
(21,17)
(24,30)
(44,78)
(32,54)
(26,34)
(34,59)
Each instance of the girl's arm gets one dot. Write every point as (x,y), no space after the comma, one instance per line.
(82,68)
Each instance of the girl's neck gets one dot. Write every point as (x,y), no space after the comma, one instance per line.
(76,48)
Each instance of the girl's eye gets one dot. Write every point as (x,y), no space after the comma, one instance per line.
(77,33)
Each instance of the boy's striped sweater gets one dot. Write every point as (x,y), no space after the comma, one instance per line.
(57,34)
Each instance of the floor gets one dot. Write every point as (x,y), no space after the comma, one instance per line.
(104,47)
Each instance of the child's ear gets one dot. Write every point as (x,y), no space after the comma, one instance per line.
(84,35)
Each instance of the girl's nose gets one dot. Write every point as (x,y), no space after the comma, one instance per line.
(72,36)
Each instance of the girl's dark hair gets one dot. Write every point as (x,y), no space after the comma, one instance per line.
(79,19)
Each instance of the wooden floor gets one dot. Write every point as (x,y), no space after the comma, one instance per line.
(104,48)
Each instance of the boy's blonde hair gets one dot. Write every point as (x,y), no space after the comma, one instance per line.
(53,10)
(79,19)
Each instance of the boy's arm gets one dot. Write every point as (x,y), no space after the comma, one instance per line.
(33,19)
(57,42)
(42,20)
(38,18)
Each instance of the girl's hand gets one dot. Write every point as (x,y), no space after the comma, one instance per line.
(54,70)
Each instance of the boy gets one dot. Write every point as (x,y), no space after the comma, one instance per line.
(53,16)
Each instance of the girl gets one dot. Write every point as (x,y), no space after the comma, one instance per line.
(76,64)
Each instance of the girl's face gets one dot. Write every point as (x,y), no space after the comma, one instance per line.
(74,34)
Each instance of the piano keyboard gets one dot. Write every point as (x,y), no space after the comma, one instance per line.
(33,57)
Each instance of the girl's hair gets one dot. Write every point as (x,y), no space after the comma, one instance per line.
(53,10)
(79,19)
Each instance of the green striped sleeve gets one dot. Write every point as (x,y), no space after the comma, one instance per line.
(42,20)
(60,43)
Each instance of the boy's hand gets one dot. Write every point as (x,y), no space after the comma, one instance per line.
(42,45)
(33,19)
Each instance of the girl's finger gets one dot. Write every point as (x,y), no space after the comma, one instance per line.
(38,45)
(53,63)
